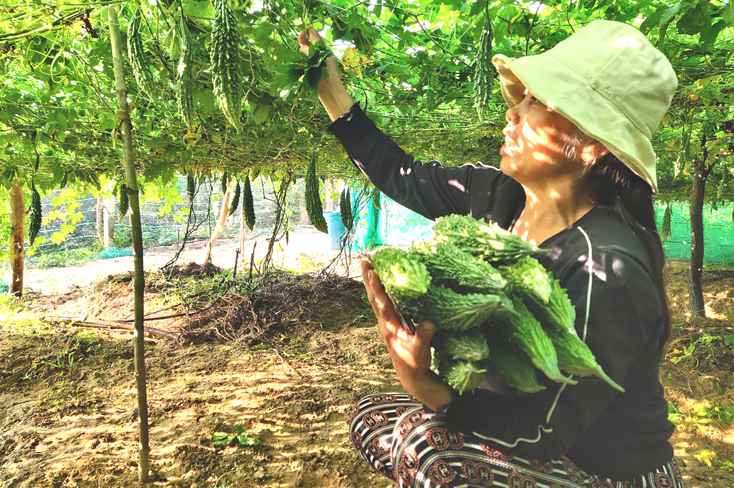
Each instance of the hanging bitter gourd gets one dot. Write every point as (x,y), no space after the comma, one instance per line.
(314,208)
(483,74)
(225,62)
(36,215)
(138,59)
(666,231)
(185,75)
(249,205)
(235,199)
(225,179)
(345,209)
(123,200)
(190,187)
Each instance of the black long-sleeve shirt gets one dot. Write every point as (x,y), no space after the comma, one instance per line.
(606,272)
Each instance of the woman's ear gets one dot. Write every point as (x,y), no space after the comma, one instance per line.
(593,151)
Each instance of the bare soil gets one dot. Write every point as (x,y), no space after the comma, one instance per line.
(284,357)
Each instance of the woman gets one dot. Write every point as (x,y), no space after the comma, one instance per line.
(577,176)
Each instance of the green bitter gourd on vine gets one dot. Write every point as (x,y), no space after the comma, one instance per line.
(185,75)
(483,73)
(225,62)
(235,199)
(345,209)
(138,59)
(314,208)
(249,205)
(123,199)
(36,215)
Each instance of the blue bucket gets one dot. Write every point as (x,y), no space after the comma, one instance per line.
(336,228)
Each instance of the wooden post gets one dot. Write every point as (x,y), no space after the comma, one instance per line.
(17,236)
(125,128)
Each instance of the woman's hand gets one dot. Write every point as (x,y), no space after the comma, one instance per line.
(410,353)
(332,93)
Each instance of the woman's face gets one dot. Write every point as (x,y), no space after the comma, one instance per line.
(535,141)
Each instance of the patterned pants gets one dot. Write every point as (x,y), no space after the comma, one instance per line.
(394,434)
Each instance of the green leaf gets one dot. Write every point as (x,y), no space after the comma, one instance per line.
(202,9)
(669,14)
(729,340)
(728,13)
(653,19)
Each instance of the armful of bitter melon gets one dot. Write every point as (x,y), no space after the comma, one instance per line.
(332,92)
(410,353)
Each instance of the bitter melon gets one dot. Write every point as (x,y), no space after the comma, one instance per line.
(249,205)
(123,199)
(225,179)
(575,357)
(402,273)
(225,63)
(235,199)
(486,240)
(190,187)
(525,330)
(529,278)
(509,363)
(467,345)
(314,208)
(345,209)
(483,74)
(185,75)
(666,231)
(455,311)
(450,265)
(138,59)
(36,215)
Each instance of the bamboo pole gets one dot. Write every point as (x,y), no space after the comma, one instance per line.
(125,128)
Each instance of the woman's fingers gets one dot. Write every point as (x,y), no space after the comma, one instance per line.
(305,38)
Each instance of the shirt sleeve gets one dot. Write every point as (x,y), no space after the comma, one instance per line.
(614,298)
(429,189)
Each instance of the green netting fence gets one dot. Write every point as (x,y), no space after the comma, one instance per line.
(400,226)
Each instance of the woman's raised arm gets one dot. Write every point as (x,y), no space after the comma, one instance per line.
(332,93)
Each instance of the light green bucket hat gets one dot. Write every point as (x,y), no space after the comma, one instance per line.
(608,80)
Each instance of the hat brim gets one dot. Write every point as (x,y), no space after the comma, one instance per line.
(570,95)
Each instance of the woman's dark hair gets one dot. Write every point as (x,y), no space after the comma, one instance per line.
(615,185)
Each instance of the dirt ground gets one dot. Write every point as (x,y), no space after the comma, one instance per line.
(284,357)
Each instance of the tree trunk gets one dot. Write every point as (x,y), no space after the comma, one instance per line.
(695,272)
(125,128)
(220,225)
(17,236)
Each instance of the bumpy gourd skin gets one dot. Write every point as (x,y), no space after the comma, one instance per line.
(185,76)
(403,274)
(447,263)
(487,241)
(249,204)
(138,58)
(314,209)
(225,63)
